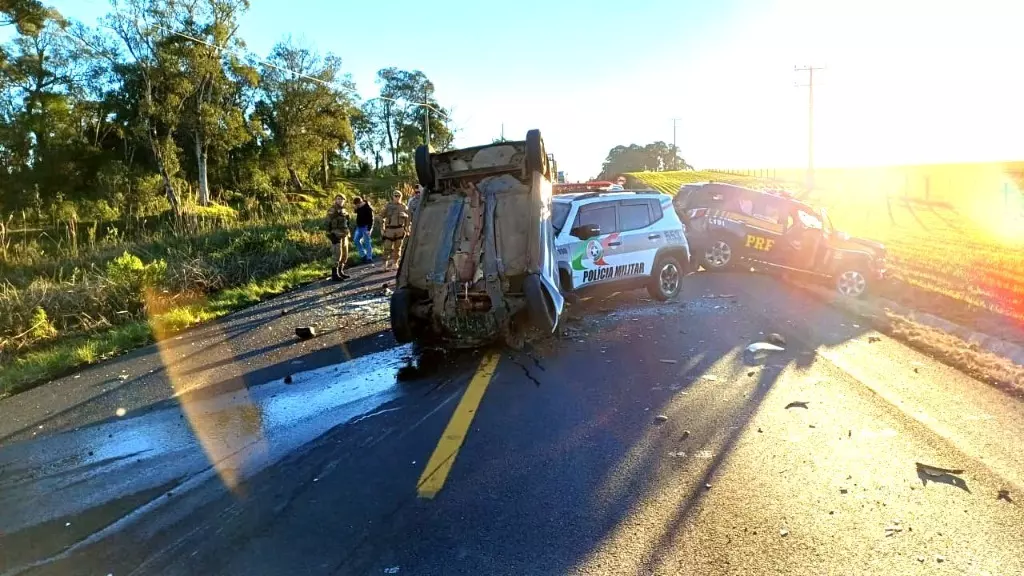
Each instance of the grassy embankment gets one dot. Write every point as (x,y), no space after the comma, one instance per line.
(65,306)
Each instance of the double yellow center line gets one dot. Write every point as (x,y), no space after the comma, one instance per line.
(440,463)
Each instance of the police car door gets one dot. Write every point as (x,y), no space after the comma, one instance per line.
(763,239)
(641,238)
(591,258)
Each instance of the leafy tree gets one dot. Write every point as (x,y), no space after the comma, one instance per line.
(402,115)
(306,110)
(28,15)
(655,157)
(211,116)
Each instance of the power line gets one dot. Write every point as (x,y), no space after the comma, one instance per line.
(810,118)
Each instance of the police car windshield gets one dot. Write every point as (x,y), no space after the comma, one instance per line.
(559,212)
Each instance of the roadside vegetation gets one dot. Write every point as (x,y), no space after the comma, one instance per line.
(149,181)
(953,252)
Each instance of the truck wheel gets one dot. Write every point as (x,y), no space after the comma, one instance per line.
(853,283)
(718,255)
(538,304)
(401,322)
(424,169)
(666,279)
(536,156)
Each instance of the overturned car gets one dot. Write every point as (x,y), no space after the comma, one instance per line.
(479,265)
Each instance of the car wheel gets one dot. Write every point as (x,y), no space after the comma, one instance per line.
(718,255)
(536,156)
(401,322)
(539,307)
(424,169)
(853,283)
(667,279)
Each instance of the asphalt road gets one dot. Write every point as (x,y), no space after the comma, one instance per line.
(643,440)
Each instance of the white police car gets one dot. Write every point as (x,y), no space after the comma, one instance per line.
(627,238)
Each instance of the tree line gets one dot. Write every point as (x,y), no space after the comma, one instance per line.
(654,157)
(161,107)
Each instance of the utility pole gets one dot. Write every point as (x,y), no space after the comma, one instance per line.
(675,151)
(426,127)
(810,119)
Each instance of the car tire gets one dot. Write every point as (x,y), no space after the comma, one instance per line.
(718,255)
(539,308)
(536,155)
(852,282)
(424,168)
(666,279)
(401,319)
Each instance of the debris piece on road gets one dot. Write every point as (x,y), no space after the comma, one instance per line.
(777,339)
(843,490)
(873,339)
(784,532)
(660,419)
(288,379)
(892,530)
(686,434)
(796,404)
(122,377)
(759,430)
(677,454)
(758,352)
(751,373)
(391,570)
(707,486)
(940,559)
(1004,495)
(667,361)
(120,412)
(305,332)
(710,377)
(920,558)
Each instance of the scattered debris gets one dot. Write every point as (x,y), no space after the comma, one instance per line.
(120,412)
(843,490)
(920,558)
(893,530)
(751,373)
(391,570)
(305,332)
(284,311)
(759,430)
(710,377)
(1004,495)
(873,339)
(67,524)
(288,379)
(660,419)
(796,404)
(677,454)
(784,532)
(667,361)
(777,339)
(940,559)
(686,434)
(707,486)
(122,377)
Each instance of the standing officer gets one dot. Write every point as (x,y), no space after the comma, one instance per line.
(414,201)
(396,226)
(336,226)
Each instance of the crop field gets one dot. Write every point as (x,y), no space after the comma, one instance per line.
(954,250)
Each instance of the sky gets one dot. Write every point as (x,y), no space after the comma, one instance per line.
(904,81)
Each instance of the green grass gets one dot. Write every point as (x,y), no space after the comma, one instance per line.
(38,366)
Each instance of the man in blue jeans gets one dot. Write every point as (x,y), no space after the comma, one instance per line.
(364,225)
